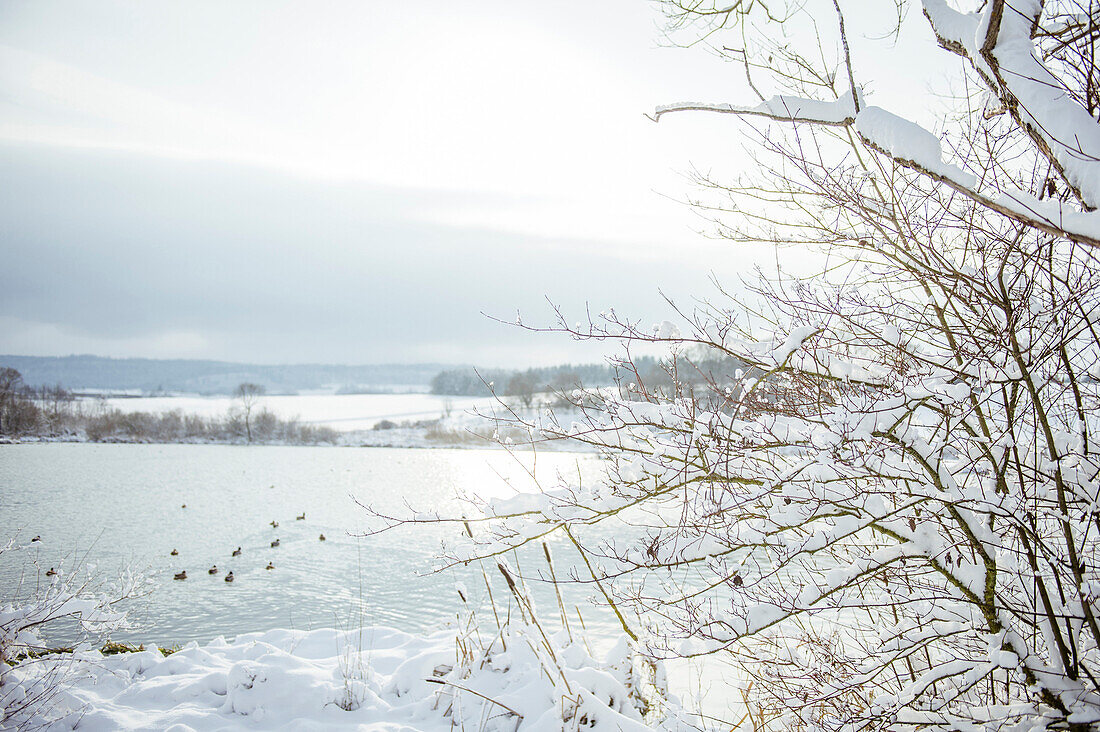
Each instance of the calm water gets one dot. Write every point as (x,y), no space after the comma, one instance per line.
(104,507)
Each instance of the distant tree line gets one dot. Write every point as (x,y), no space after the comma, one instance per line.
(176,426)
(53,411)
(151,376)
(644,373)
(469,381)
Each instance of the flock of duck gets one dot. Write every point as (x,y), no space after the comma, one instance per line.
(236,553)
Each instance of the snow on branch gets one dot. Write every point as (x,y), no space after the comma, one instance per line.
(997,42)
(902,139)
(914,147)
(782,108)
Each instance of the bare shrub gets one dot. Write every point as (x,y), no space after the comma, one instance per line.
(32,676)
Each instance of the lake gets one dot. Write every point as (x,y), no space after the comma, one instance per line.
(102,507)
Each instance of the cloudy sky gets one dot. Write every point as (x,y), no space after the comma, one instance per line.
(344,180)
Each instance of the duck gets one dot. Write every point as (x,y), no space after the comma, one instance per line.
(274,524)
(321,537)
(183,505)
(174,553)
(237,552)
(302,517)
(270,565)
(36,538)
(275,543)
(229,577)
(212,570)
(51,572)
(180,575)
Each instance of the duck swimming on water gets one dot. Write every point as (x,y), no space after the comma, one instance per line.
(275,543)
(51,572)
(180,575)
(274,524)
(270,565)
(237,552)
(301,518)
(321,537)
(212,570)
(174,553)
(229,577)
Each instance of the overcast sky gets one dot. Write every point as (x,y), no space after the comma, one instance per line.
(344,180)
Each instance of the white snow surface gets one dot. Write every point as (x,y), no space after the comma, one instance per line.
(909,141)
(791,107)
(368,679)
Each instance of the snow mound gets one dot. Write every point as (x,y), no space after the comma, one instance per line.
(370,679)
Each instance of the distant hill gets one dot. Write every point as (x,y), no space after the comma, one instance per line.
(214,377)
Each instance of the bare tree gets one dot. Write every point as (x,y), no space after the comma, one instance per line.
(522,386)
(249,394)
(887,514)
(56,403)
(11,384)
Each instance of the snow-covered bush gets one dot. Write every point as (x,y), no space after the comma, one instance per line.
(888,512)
(533,673)
(31,676)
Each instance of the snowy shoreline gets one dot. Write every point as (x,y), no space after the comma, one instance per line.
(412,439)
(456,431)
(373,678)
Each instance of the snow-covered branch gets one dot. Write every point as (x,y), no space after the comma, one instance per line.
(784,108)
(917,149)
(997,41)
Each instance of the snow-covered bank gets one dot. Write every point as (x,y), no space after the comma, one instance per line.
(341,412)
(373,678)
(453,431)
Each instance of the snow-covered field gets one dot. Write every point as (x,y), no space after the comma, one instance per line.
(341,412)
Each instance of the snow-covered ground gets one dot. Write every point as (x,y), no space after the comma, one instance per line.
(369,679)
(341,412)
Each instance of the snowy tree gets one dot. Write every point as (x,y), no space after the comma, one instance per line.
(887,513)
(248,394)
